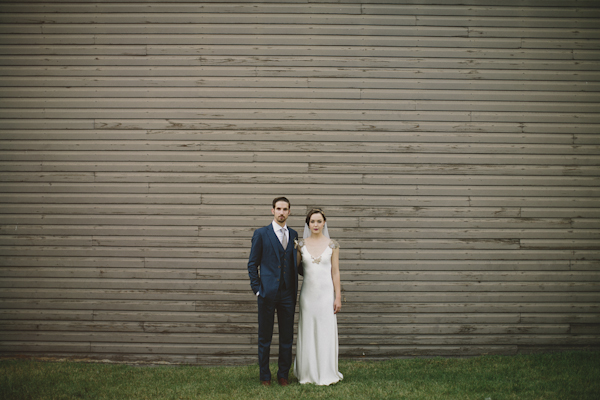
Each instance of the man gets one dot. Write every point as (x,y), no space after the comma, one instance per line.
(274,255)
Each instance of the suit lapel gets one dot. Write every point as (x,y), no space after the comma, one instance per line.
(291,243)
(290,239)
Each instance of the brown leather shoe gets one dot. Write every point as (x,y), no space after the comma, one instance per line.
(283,382)
(265,383)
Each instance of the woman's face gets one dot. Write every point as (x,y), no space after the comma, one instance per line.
(316,223)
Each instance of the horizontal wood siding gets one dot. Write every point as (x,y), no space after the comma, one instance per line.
(455,146)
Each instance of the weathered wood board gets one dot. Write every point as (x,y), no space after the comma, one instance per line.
(454,145)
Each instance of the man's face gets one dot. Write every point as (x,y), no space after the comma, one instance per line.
(281,212)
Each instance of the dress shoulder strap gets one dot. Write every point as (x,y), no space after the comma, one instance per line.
(334,244)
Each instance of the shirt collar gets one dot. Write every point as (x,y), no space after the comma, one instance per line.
(277,227)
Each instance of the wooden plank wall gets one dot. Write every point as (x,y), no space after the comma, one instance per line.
(454,145)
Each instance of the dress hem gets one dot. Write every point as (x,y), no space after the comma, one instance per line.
(319,384)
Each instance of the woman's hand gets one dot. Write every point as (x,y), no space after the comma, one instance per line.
(337,305)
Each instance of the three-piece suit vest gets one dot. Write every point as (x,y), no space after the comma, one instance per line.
(286,280)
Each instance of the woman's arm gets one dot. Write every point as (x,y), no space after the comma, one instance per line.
(335,276)
(297,247)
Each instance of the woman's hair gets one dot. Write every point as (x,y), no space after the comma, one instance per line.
(315,211)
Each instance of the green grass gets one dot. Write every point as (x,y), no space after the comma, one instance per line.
(568,375)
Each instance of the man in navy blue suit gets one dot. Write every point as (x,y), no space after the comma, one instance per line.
(274,280)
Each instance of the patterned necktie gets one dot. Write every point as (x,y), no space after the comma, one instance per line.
(283,239)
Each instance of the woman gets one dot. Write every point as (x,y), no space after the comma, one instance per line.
(320,299)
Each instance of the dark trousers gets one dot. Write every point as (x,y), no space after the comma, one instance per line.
(285,305)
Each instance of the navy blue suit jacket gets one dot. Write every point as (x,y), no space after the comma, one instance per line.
(265,255)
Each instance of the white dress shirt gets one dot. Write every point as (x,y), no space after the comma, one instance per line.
(279,231)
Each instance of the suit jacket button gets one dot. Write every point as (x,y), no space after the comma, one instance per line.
(279,266)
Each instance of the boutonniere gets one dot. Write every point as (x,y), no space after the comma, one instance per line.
(296,244)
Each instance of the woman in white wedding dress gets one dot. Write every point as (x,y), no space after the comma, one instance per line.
(320,299)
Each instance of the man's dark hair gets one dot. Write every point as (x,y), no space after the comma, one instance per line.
(275,200)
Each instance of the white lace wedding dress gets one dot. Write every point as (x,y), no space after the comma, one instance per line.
(317,344)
